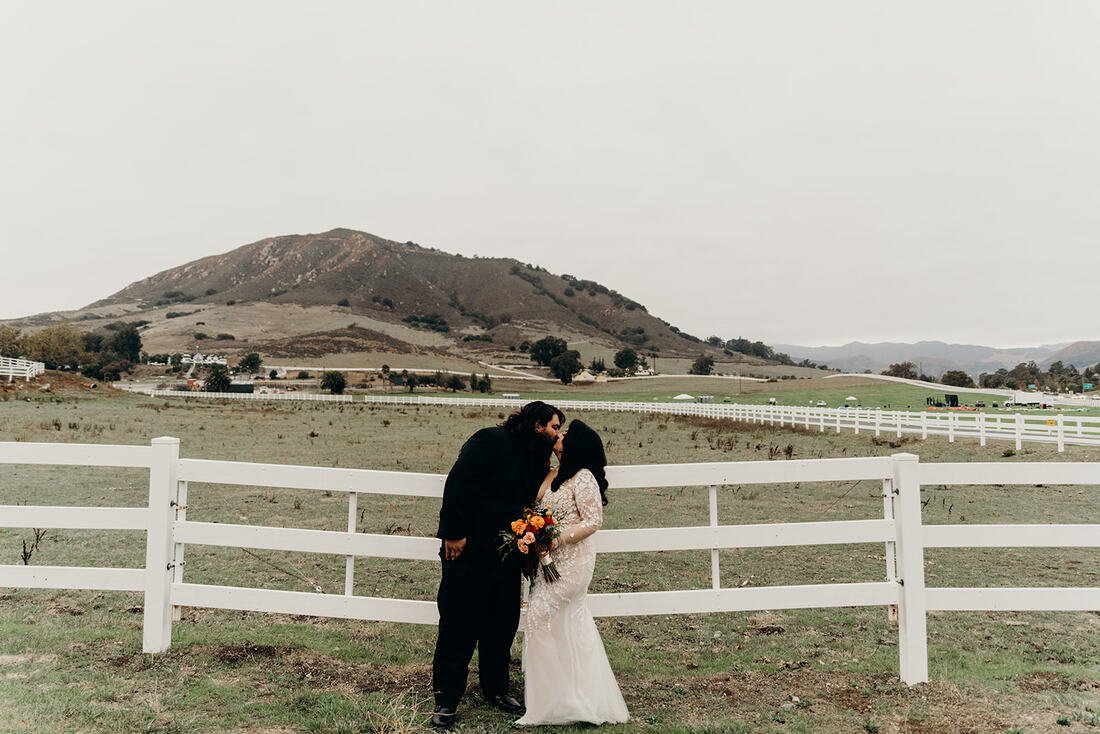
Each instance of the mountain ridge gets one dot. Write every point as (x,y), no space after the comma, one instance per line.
(935,357)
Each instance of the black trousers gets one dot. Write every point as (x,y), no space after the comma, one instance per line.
(478,600)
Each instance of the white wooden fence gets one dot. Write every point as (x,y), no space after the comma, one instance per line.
(1059,430)
(168,532)
(13,367)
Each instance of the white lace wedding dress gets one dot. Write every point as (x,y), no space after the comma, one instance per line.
(567,676)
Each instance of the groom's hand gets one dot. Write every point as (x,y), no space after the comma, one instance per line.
(452,549)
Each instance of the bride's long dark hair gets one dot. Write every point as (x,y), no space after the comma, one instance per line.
(582,448)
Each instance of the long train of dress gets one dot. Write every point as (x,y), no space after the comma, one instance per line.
(567,675)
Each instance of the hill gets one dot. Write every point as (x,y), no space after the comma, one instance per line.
(395,296)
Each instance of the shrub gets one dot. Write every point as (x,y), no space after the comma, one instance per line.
(565,365)
(703,365)
(199,336)
(545,350)
(334,381)
(626,358)
(250,362)
(343,302)
(218,379)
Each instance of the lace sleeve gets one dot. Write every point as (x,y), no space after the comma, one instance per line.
(589,506)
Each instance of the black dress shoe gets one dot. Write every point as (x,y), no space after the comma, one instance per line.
(443,717)
(507,704)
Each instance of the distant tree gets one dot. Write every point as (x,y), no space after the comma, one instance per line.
(485,384)
(334,381)
(545,350)
(218,379)
(902,369)
(250,362)
(92,343)
(996,379)
(565,365)
(411,381)
(343,302)
(597,365)
(957,378)
(303,375)
(11,341)
(626,359)
(273,375)
(126,343)
(57,346)
(703,365)
(455,383)
(715,341)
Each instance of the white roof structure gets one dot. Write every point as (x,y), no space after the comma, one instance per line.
(684,396)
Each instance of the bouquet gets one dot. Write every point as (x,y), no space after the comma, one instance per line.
(532,535)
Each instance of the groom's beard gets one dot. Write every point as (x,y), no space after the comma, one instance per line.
(541,446)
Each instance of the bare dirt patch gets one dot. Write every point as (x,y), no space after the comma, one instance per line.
(1046,680)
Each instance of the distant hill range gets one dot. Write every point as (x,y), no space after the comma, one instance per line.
(935,357)
(347,291)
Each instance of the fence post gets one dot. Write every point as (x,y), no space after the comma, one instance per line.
(1019,431)
(891,554)
(912,605)
(178,549)
(349,562)
(715,575)
(981,429)
(1061,432)
(157,623)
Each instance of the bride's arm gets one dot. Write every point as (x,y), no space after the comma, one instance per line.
(589,506)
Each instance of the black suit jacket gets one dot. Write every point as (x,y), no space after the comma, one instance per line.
(496,475)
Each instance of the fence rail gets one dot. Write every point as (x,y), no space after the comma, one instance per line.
(168,532)
(1059,430)
(14,367)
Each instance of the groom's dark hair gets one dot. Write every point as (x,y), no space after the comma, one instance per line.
(522,421)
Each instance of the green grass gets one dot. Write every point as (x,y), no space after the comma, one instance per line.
(802,392)
(71,660)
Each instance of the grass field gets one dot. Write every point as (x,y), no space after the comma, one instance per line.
(835,391)
(72,661)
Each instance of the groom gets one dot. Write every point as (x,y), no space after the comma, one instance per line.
(497,474)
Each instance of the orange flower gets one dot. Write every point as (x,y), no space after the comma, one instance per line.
(529,538)
(537,522)
(518,527)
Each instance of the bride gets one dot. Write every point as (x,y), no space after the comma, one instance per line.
(567,676)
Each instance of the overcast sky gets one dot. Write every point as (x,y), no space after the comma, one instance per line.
(795,172)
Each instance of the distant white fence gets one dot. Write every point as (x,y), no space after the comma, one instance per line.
(983,427)
(25,368)
(168,532)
